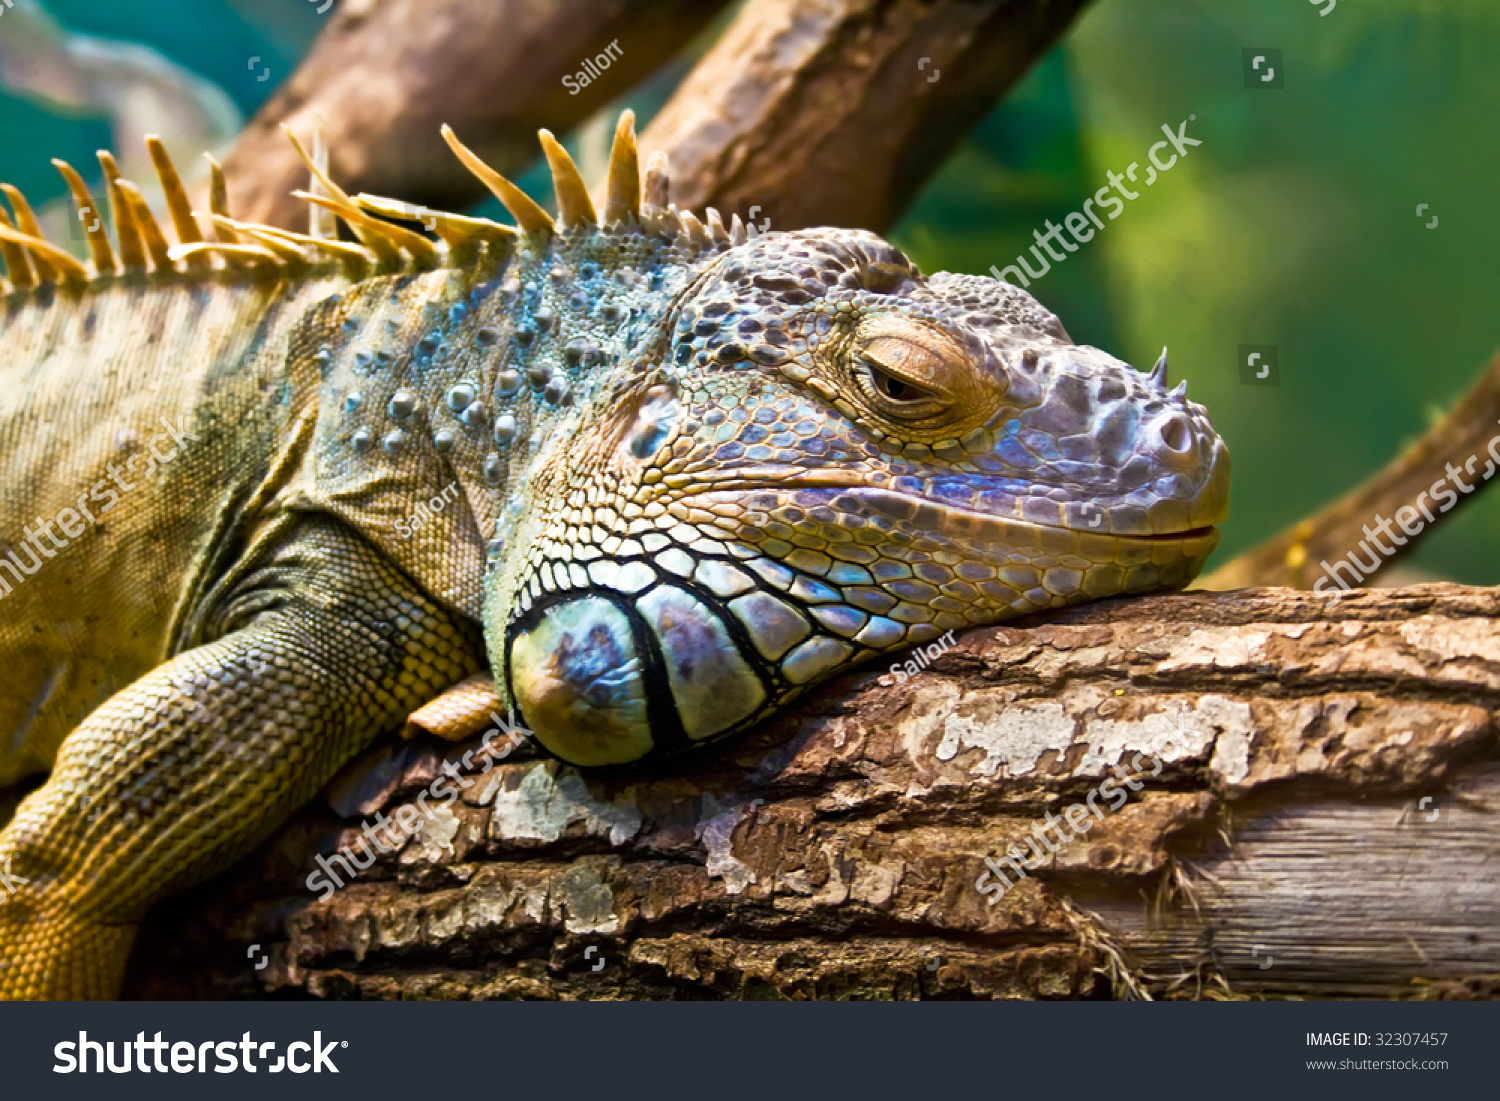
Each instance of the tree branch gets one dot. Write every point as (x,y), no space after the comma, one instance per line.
(1295,556)
(839,852)
(816,111)
(835,112)
(384,77)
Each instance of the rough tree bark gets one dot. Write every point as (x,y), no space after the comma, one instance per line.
(1324,822)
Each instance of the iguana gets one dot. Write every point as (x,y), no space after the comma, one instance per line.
(679,473)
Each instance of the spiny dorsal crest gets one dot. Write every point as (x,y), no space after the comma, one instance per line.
(141,245)
(631,205)
(628,205)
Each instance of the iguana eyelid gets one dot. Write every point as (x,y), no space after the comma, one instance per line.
(923,402)
(913,363)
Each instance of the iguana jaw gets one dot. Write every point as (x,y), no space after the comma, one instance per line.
(942,517)
(665,648)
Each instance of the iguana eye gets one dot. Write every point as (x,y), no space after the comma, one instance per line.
(903,379)
(891,386)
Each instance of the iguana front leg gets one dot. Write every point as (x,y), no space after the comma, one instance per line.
(179,775)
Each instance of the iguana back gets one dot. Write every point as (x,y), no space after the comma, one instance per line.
(140,421)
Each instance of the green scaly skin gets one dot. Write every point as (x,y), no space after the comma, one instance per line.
(683,475)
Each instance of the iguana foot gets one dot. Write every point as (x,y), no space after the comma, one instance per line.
(459,713)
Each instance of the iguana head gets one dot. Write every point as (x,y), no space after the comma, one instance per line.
(809,454)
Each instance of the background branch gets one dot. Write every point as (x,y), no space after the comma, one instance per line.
(820,112)
(835,112)
(384,77)
(1295,556)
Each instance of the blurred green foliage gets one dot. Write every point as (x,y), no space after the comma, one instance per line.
(1294,224)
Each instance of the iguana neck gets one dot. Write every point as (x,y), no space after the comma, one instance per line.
(474,378)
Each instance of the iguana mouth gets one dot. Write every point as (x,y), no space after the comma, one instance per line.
(955,520)
(941,517)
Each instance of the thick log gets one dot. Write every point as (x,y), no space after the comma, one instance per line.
(1316,815)
(383,77)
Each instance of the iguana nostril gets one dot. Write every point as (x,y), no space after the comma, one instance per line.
(1172,439)
(1175,434)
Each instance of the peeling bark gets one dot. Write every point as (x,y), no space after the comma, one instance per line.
(836,852)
